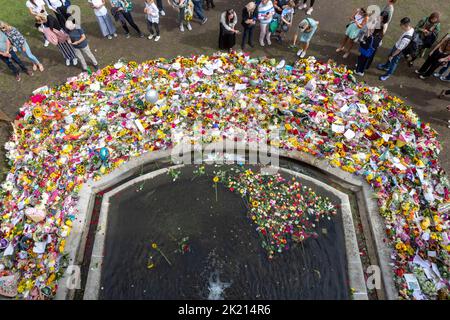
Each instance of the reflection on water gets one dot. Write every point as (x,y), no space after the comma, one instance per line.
(213,249)
(216,287)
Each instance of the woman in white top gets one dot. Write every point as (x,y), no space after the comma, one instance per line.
(152,11)
(227,36)
(57,6)
(103,18)
(37,8)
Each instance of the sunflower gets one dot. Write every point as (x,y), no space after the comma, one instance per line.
(216,179)
(154,246)
(81,170)
(37,112)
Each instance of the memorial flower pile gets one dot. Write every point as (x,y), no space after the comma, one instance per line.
(87,127)
(284,211)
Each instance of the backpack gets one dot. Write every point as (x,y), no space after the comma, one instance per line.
(412,48)
(367,53)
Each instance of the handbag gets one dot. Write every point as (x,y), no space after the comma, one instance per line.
(50,36)
(62,36)
(367,53)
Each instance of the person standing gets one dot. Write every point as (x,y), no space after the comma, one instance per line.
(397,51)
(287,18)
(185,11)
(368,48)
(152,12)
(304,6)
(439,56)
(389,10)
(279,5)
(198,11)
(265,15)
(427,32)
(59,9)
(103,18)
(8,56)
(306,30)
(37,7)
(121,11)
(358,22)
(55,34)
(19,42)
(77,38)
(249,16)
(228,31)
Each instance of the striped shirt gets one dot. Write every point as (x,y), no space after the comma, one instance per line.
(265,12)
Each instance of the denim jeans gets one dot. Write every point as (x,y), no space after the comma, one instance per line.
(198,10)
(444,69)
(10,64)
(29,54)
(247,34)
(392,65)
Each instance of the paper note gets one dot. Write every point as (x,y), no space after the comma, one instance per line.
(337,128)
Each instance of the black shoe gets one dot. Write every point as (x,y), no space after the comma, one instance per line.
(251,45)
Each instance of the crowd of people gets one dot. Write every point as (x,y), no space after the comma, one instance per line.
(273,17)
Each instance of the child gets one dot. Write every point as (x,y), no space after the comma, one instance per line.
(287,17)
(152,11)
(185,12)
(306,29)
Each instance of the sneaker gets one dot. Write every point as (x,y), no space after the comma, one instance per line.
(302,6)
(157,38)
(110,37)
(18,78)
(303,54)
(150,37)
(261,44)
(422,77)
(46,43)
(384,77)
(41,67)
(204,20)
(299,52)
(339,49)
(75,61)
(269,43)
(416,71)
(345,56)
(310,10)
(382,67)
(67,62)
(127,36)
(361,74)
(115,35)
(162,13)
(189,27)
(35,67)
(437,74)
(30,73)
(446,79)
(141,35)
(181,28)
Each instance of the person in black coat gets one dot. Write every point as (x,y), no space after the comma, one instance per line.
(249,17)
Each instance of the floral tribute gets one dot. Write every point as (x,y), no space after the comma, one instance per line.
(92,124)
(284,211)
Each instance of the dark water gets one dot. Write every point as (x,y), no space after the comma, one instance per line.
(222,241)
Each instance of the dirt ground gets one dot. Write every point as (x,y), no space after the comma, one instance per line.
(203,39)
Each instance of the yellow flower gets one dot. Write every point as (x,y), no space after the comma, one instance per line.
(37,112)
(255,204)
(425,223)
(216,179)
(81,170)
(154,246)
